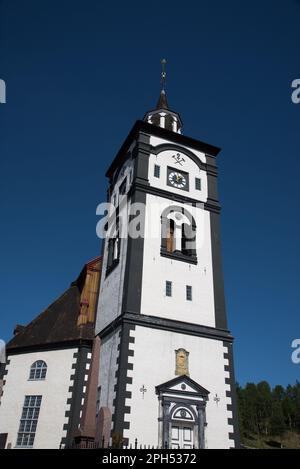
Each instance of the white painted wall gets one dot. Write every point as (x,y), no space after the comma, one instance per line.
(111,290)
(155,141)
(158,269)
(108,366)
(54,392)
(111,286)
(154,364)
(165,159)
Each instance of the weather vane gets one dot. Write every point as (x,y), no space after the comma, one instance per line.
(163,73)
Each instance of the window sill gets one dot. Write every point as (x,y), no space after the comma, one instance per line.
(36,379)
(23,447)
(178,256)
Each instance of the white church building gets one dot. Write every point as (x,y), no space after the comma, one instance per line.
(166,372)
(138,348)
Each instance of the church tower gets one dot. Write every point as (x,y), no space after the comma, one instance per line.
(166,362)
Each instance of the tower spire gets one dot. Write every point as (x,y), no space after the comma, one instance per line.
(163,74)
(162,102)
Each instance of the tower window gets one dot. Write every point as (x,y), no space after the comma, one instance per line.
(38,370)
(168,288)
(29,420)
(178,235)
(187,244)
(113,242)
(198,184)
(122,189)
(170,237)
(156,171)
(189,293)
(130,176)
(113,252)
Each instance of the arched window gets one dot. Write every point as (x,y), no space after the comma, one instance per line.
(178,235)
(38,370)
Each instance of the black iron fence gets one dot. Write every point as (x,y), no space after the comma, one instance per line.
(87,444)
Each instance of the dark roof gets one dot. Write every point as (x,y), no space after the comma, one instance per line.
(162,102)
(56,325)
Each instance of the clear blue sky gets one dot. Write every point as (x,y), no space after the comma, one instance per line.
(80,73)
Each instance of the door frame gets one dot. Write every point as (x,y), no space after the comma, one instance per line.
(183,392)
(196,408)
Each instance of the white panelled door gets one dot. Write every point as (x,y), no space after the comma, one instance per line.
(182,436)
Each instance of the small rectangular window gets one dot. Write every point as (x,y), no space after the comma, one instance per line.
(168,288)
(198,184)
(189,293)
(156,171)
(28,422)
(113,252)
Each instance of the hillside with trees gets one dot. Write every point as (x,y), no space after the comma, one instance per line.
(269,417)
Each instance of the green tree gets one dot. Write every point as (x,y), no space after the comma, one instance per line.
(265,412)
(278,421)
(251,408)
(264,407)
(241,408)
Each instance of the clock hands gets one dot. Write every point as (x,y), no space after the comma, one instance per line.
(177,179)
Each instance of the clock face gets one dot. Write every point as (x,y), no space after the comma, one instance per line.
(177,179)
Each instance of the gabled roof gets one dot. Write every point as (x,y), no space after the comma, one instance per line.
(57,324)
(183,379)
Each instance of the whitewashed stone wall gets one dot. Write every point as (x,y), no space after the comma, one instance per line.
(54,391)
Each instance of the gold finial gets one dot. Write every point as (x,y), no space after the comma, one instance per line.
(163,73)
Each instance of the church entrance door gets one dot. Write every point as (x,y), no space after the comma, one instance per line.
(182,435)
